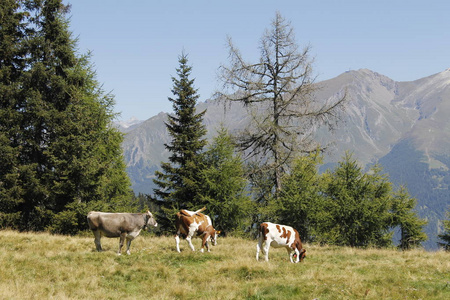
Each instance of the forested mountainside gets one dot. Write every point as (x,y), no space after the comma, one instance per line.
(403,126)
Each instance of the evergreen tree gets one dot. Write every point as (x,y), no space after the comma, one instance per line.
(12,65)
(404,216)
(359,206)
(224,186)
(57,126)
(180,179)
(445,236)
(362,210)
(301,204)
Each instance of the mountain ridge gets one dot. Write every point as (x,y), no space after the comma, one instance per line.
(382,116)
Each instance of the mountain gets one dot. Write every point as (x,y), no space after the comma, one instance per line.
(404,126)
(128,125)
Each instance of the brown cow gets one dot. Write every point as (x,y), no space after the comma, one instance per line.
(277,236)
(123,225)
(190,223)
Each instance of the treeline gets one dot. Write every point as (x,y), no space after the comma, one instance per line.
(61,155)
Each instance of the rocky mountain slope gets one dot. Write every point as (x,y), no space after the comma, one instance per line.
(404,126)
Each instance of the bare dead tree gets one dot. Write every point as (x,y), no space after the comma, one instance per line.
(278,93)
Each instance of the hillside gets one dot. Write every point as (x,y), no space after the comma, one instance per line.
(404,126)
(44,266)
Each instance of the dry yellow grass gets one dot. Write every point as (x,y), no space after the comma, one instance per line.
(43,266)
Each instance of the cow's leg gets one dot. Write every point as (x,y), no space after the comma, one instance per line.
(129,239)
(259,247)
(190,234)
(205,242)
(97,237)
(188,239)
(266,250)
(121,242)
(177,240)
(290,253)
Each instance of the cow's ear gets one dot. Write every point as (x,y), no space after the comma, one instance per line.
(218,232)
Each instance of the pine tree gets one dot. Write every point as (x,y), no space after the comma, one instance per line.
(67,155)
(180,179)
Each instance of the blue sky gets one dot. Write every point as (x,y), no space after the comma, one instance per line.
(136,43)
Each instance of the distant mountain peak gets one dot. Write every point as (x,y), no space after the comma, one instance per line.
(128,125)
(130,122)
(402,125)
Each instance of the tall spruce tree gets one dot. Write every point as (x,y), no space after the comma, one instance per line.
(12,65)
(180,179)
(55,125)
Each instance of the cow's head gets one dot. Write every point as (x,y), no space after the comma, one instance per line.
(150,221)
(301,255)
(214,237)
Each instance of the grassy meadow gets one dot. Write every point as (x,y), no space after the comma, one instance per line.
(44,266)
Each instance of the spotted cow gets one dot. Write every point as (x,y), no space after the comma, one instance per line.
(194,223)
(278,236)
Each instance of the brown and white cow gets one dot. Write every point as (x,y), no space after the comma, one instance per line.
(194,223)
(278,236)
(124,225)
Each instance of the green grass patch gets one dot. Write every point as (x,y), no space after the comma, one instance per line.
(44,266)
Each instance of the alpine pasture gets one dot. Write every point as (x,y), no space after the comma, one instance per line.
(45,266)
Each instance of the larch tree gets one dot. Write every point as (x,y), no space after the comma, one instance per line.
(358,204)
(301,203)
(405,217)
(224,188)
(179,181)
(278,92)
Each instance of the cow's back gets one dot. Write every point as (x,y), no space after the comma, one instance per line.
(278,235)
(111,224)
(183,222)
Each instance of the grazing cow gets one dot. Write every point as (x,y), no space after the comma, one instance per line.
(278,236)
(123,225)
(190,223)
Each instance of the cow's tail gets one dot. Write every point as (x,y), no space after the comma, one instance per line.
(200,210)
(191,213)
(261,230)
